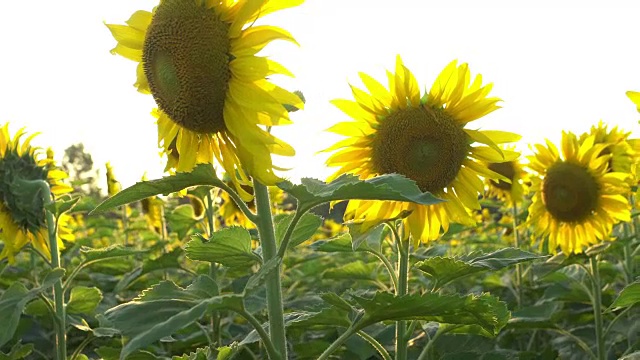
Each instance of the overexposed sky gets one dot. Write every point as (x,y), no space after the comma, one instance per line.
(555,68)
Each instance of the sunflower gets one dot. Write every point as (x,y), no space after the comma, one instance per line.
(198,61)
(577,199)
(423,138)
(22,215)
(511,192)
(625,152)
(230,214)
(113,185)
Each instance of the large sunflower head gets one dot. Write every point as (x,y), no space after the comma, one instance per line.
(513,191)
(22,214)
(424,138)
(625,152)
(577,199)
(198,61)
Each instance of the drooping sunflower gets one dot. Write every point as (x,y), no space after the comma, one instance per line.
(625,152)
(510,192)
(22,213)
(424,138)
(198,60)
(577,199)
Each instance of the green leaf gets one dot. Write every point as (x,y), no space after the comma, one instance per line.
(536,316)
(91,254)
(305,228)
(18,351)
(181,220)
(256,280)
(166,308)
(357,270)
(325,317)
(202,174)
(633,356)
(230,247)
(370,239)
(394,187)
(14,299)
(337,301)
(629,296)
(12,302)
(201,354)
(340,243)
(83,300)
(62,204)
(447,269)
(168,260)
(484,311)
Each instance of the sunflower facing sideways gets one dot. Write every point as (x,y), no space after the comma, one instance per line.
(577,199)
(22,217)
(511,192)
(423,138)
(198,60)
(625,152)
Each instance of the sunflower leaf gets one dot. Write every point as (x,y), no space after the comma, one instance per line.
(230,247)
(447,269)
(484,313)
(91,254)
(392,187)
(305,228)
(629,296)
(63,204)
(84,300)
(202,174)
(165,309)
(14,299)
(340,243)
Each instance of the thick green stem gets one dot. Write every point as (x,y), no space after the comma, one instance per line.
(403,280)
(213,271)
(269,251)
(628,258)
(519,267)
(597,307)
(58,293)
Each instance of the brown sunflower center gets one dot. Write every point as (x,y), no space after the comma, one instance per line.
(569,192)
(505,169)
(186,62)
(423,144)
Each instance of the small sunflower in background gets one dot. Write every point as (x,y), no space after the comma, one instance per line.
(22,215)
(229,214)
(424,138)
(625,152)
(113,185)
(513,191)
(198,61)
(577,199)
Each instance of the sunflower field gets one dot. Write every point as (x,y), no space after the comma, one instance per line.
(431,239)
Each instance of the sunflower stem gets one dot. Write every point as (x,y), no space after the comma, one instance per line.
(272,283)
(628,259)
(403,280)
(339,341)
(519,267)
(58,294)
(597,307)
(213,272)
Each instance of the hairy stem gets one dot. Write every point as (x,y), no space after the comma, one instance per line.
(272,283)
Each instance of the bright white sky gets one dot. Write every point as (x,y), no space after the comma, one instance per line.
(555,68)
